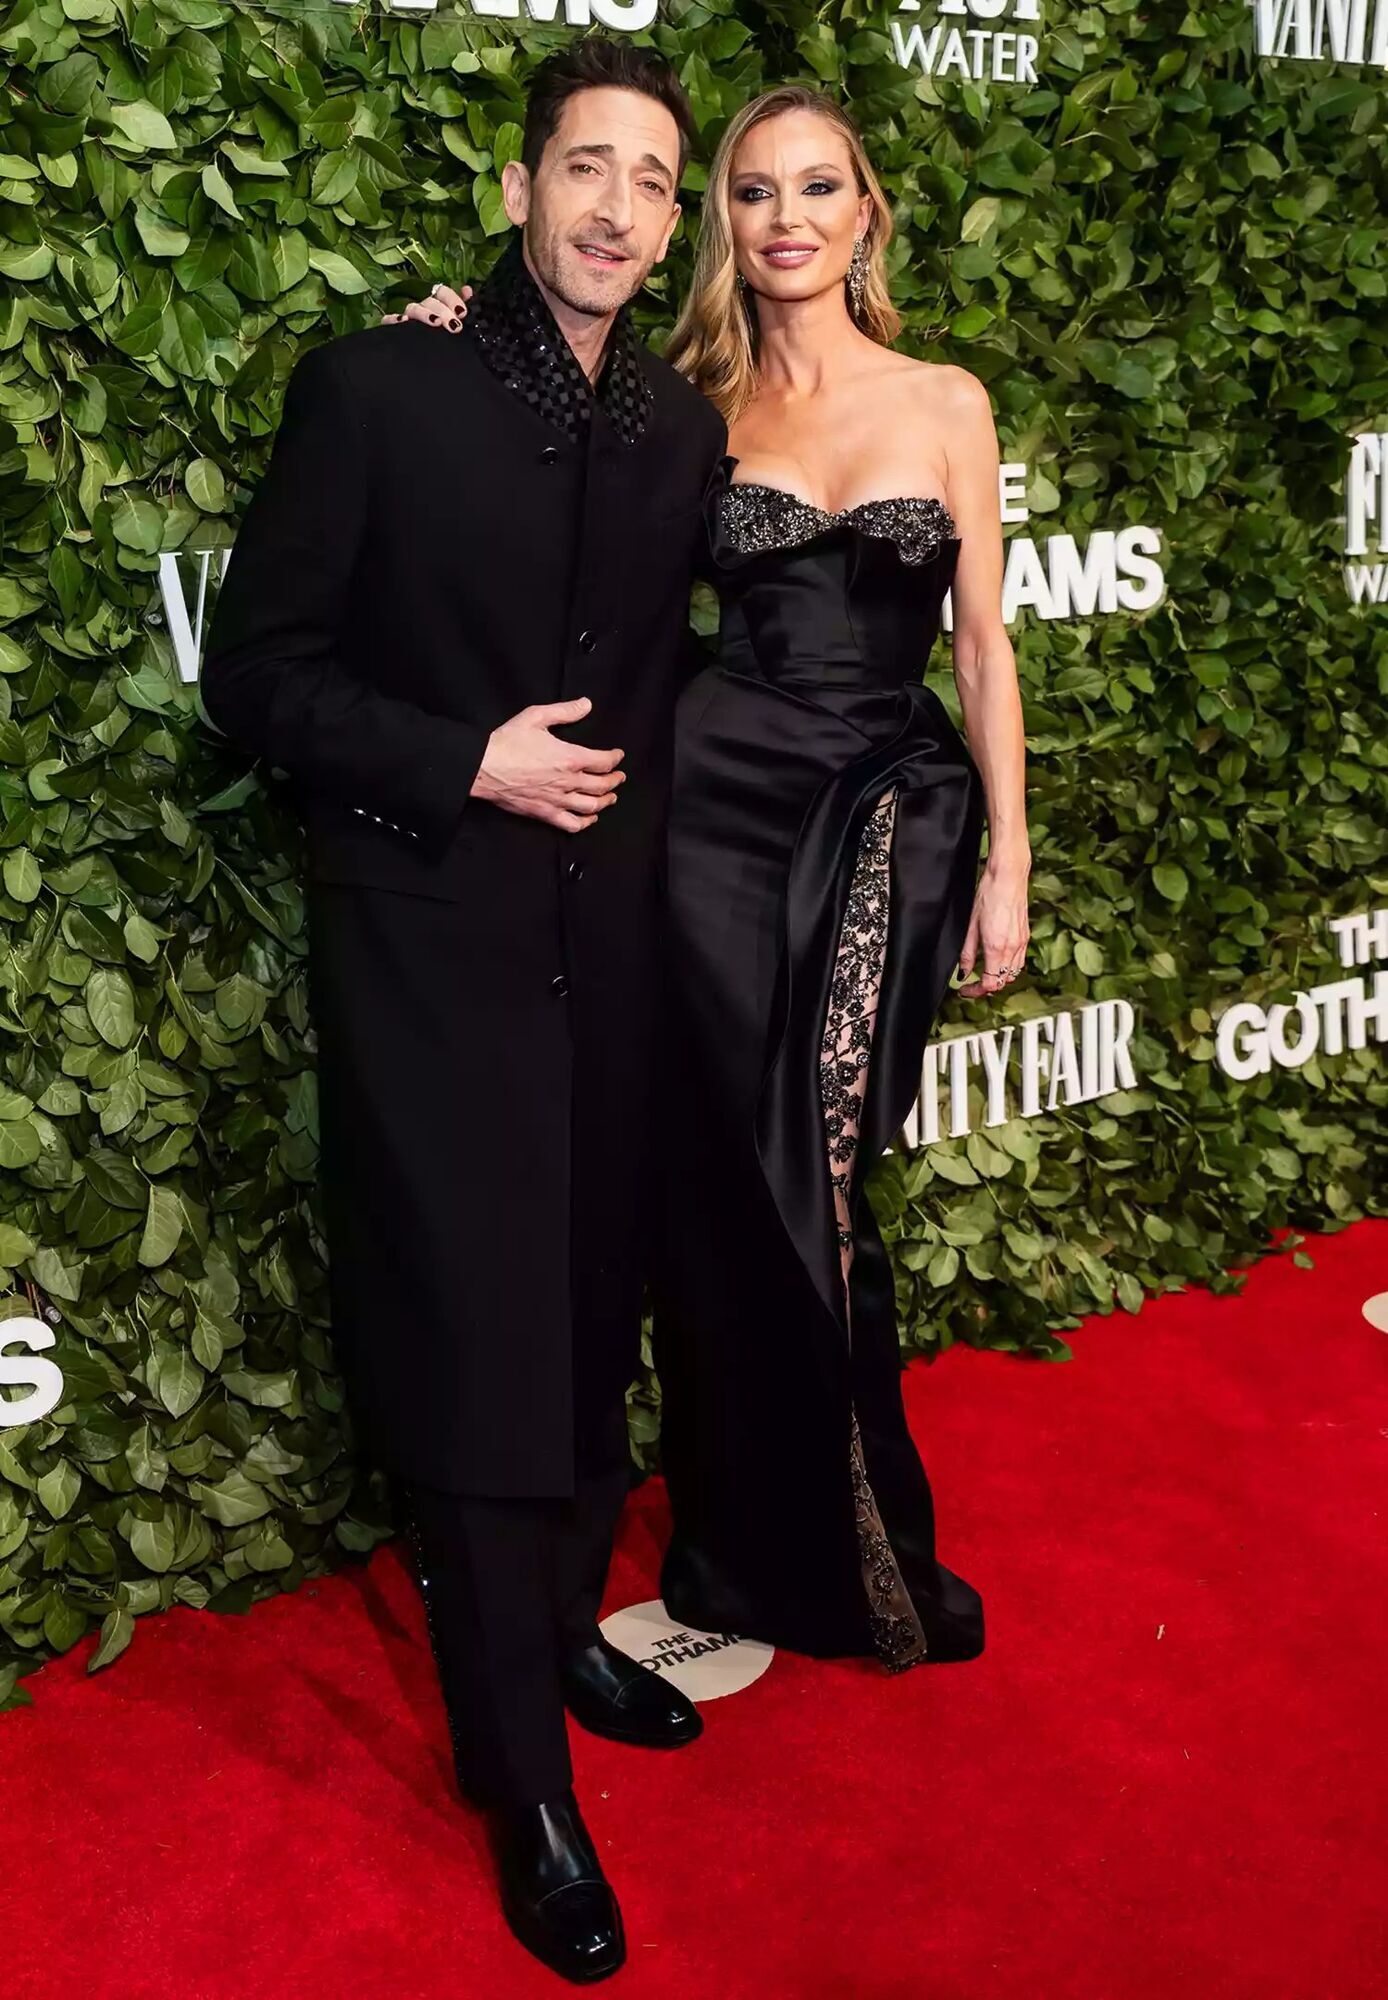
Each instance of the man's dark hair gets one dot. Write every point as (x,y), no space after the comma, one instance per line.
(596,62)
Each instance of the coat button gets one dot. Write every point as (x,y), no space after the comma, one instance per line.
(586,642)
(549,454)
(559,985)
(575,871)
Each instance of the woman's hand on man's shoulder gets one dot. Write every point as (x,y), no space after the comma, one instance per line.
(442,308)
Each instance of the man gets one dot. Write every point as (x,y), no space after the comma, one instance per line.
(456,618)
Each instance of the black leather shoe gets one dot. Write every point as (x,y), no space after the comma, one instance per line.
(553,1891)
(615,1696)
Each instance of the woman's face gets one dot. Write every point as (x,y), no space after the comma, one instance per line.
(794,206)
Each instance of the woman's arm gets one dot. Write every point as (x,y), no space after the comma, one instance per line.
(985,673)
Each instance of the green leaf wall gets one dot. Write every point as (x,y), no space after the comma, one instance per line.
(1167,261)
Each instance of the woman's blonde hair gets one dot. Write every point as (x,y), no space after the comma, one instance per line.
(714,344)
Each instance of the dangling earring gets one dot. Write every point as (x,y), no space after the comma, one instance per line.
(858,275)
(741,282)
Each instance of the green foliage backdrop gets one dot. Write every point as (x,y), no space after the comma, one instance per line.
(1167,262)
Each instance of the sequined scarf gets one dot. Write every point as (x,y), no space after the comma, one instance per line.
(518,339)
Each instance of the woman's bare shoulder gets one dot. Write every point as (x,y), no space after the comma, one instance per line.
(944,387)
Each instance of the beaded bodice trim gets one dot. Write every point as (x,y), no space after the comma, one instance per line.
(757,518)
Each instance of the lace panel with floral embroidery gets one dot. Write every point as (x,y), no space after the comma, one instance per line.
(897,1632)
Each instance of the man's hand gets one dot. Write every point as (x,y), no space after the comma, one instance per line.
(444,307)
(528,771)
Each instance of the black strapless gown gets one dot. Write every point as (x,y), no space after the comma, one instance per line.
(824,840)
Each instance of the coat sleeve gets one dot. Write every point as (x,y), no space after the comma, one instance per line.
(274,680)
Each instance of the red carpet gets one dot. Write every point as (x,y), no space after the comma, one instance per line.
(1167,1769)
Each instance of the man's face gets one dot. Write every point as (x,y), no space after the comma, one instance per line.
(600,211)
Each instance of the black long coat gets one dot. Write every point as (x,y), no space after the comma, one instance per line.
(430,551)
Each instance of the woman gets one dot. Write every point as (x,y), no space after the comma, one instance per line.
(825,829)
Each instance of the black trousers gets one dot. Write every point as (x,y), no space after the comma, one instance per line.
(508,1586)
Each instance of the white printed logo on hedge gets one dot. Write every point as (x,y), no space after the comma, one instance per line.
(187,622)
(1326,1019)
(984,53)
(624,17)
(1346,31)
(1366,517)
(41,1377)
(1116,569)
(1050,1062)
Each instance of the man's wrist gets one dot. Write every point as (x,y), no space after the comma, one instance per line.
(484,786)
